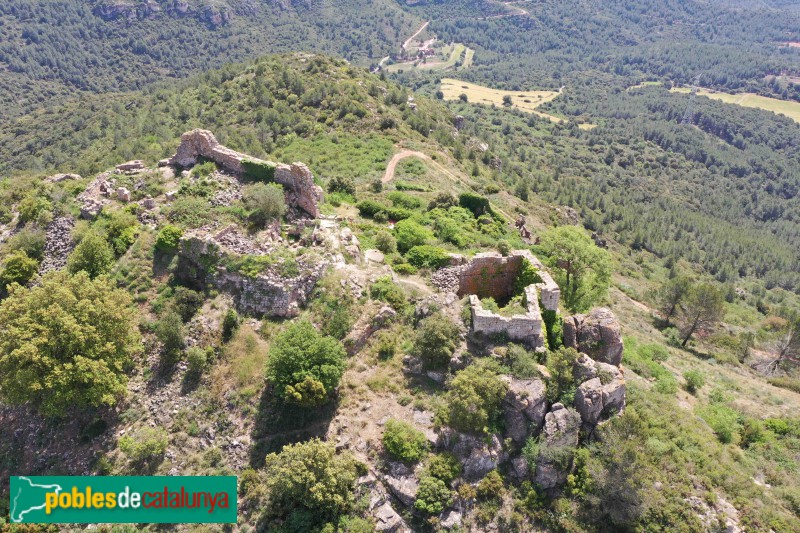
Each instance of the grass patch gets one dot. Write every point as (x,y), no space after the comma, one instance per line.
(781,107)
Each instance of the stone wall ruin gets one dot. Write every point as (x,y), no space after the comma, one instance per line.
(492,275)
(297,180)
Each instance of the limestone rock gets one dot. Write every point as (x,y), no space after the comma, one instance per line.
(365,328)
(58,178)
(374,256)
(561,429)
(596,334)
(386,518)
(170,195)
(149,203)
(404,488)
(58,244)
(451,519)
(524,407)
(131,166)
(123,194)
(477,457)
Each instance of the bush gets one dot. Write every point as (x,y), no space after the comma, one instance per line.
(404,442)
(444,466)
(475,399)
(561,381)
(723,420)
(90,323)
(385,242)
(504,248)
(404,269)
(144,444)
(29,240)
(310,476)
(409,234)
(386,343)
(197,359)
(93,255)
(304,366)
(264,203)
(122,229)
(263,171)
(386,290)
(443,200)
(477,204)
(369,208)
(169,332)
(187,302)
(18,268)
(204,169)
(694,380)
(230,323)
(490,487)
(35,208)
(426,256)
(524,364)
(433,496)
(190,212)
(401,199)
(342,185)
(436,341)
(168,238)
(528,275)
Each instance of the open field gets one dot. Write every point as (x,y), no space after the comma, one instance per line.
(790,109)
(526,101)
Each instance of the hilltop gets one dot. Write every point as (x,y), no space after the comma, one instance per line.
(239,212)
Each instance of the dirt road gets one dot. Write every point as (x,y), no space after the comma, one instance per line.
(420,30)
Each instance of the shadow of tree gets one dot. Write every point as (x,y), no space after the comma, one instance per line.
(278,424)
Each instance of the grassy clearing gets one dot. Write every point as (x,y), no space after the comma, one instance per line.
(781,107)
(526,101)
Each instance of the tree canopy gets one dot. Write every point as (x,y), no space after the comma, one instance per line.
(66,342)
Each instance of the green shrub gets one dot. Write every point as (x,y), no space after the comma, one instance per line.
(168,238)
(404,269)
(197,359)
(304,366)
(426,256)
(474,401)
(528,275)
(191,212)
(204,169)
(504,248)
(187,302)
(694,380)
(18,268)
(66,343)
(264,203)
(230,323)
(144,444)
(35,208)
(490,487)
(723,420)
(310,476)
(384,289)
(29,240)
(477,204)
(554,327)
(433,496)
(342,185)
(93,255)
(169,332)
(409,234)
(386,344)
(404,442)
(400,199)
(263,171)
(385,242)
(524,364)
(443,200)
(561,381)
(436,341)
(444,466)
(369,208)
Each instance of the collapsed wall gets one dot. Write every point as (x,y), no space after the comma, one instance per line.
(296,178)
(204,261)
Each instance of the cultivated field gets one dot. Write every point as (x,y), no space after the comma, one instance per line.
(790,109)
(453,52)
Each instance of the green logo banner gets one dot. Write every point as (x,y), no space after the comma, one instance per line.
(123,499)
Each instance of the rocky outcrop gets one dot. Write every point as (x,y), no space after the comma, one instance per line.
(297,180)
(95,196)
(559,439)
(131,10)
(524,408)
(366,327)
(596,334)
(387,520)
(600,397)
(477,456)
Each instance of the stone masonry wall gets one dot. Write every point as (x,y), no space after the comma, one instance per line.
(525,328)
(296,178)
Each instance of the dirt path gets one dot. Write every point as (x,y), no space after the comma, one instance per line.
(420,30)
